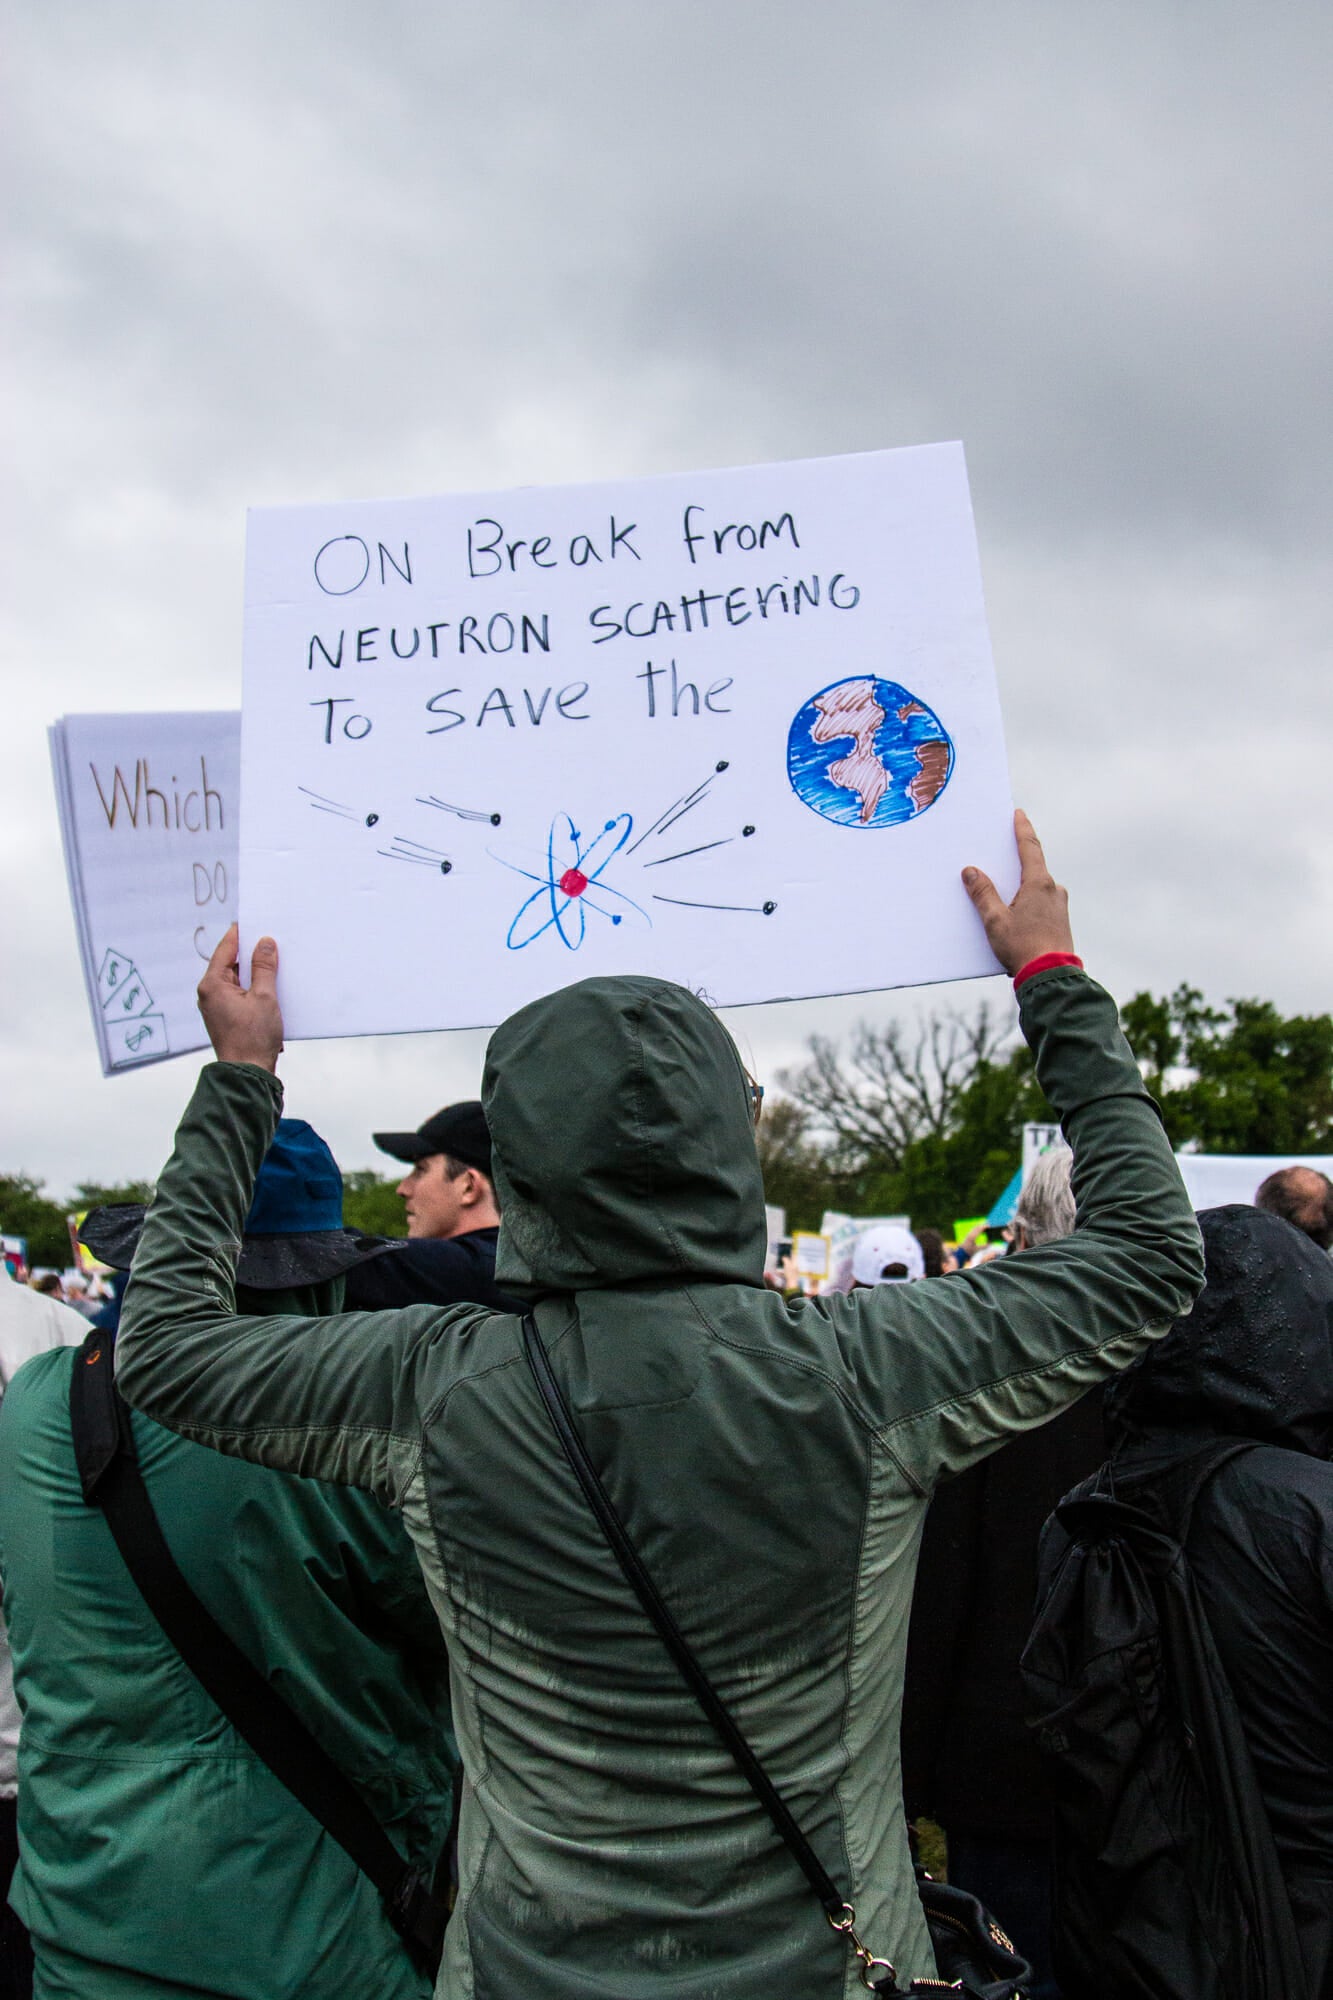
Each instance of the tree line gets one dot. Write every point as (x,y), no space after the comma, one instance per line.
(926,1119)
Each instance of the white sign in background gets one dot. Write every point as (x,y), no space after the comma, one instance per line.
(149,809)
(737,729)
(1038,1139)
(1213,1179)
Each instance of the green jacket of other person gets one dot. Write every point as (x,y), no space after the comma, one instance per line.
(158,1856)
(773,1461)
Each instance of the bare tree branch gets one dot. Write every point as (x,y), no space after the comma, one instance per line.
(895,1085)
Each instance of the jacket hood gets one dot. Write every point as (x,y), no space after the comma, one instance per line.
(1255,1357)
(622,1145)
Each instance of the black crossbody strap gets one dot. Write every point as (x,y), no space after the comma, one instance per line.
(641,1583)
(111,1479)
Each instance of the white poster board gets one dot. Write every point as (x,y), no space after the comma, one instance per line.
(842,1233)
(149,808)
(810,1253)
(736,729)
(1214,1179)
(1038,1139)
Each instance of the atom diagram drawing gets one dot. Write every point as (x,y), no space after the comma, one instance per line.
(572,882)
(572,889)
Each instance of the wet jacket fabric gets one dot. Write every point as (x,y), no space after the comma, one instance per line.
(158,1855)
(772,1460)
(1255,1361)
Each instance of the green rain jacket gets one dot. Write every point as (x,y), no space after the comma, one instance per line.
(773,1460)
(158,1856)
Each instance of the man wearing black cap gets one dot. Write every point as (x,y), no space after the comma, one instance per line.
(452,1219)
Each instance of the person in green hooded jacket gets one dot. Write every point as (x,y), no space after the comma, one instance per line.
(159,1859)
(772,1459)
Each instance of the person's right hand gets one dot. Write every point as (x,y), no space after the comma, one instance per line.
(244,1024)
(1037,921)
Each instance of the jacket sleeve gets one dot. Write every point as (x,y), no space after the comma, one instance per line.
(946,1369)
(337,1398)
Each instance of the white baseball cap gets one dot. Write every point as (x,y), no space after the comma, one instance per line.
(887,1243)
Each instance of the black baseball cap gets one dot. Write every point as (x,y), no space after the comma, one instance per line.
(459,1130)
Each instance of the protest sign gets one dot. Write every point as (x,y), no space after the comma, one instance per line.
(148,815)
(842,1233)
(736,729)
(810,1253)
(1038,1139)
(81,1256)
(1214,1179)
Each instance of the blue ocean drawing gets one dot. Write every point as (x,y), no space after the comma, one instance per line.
(866,752)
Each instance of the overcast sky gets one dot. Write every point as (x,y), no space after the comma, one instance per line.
(266,254)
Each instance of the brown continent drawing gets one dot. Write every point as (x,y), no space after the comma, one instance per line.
(928,783)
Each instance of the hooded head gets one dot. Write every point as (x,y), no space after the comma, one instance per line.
(622,1142)
(1255,1357)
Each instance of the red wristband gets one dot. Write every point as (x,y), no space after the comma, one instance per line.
(1045,963)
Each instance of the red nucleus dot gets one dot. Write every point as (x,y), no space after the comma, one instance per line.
(573,882)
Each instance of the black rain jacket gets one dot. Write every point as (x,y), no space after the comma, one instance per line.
(432,1271)
(1255,1360)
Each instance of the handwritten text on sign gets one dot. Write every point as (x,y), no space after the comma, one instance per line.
(690,726)
(148,808)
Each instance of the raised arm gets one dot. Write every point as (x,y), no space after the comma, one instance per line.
(948,1369)
(330,1398)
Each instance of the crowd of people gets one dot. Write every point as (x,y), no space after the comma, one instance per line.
(86,1292)
(326,1679)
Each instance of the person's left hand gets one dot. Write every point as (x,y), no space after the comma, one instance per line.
(244,1025)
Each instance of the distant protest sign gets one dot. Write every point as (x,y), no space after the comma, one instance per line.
(736,729)
(149,809)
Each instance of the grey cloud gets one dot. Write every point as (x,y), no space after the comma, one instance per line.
(271,254)
(1062,235)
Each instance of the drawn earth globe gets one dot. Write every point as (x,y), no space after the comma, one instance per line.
(866,752)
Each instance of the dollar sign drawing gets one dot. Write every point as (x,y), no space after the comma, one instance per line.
(135,1041)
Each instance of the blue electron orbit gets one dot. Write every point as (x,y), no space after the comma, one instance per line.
(565,893)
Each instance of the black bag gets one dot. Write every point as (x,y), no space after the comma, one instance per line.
(1167,1880)
(110,1477)
(973,1955)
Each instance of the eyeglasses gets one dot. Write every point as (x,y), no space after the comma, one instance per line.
(756,1091)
